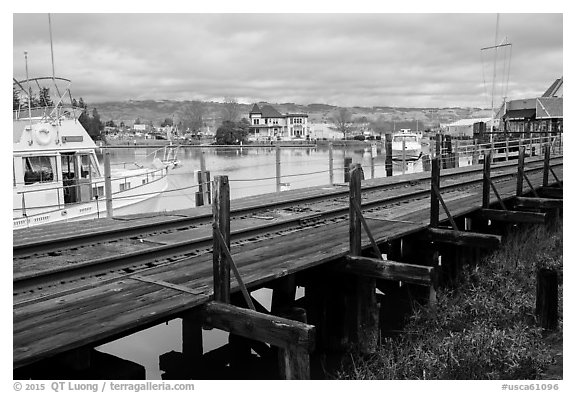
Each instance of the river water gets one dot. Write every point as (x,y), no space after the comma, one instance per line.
(251,171)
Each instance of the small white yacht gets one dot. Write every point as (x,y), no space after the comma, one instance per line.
(56,173)
(406,145)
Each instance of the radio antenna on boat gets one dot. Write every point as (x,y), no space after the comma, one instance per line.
(51,47)
(28,93)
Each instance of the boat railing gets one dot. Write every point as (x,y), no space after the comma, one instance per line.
(150,177)
(511,145)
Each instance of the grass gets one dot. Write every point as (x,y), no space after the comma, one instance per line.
(484,329)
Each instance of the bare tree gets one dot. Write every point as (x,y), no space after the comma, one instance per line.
(342,119)
(191,116)
(230,109)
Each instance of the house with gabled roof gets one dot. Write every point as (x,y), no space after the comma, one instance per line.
(535,115)
(267,123)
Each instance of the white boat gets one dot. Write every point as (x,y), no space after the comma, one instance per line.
(406,145)
(56,173)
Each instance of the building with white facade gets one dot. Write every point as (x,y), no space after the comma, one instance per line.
(267,123)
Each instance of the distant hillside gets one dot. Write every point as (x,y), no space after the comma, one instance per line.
(157,111)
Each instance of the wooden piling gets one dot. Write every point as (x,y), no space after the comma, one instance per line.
(546,165)
(278,178)
(192,348)
(347,163)
(434,202)
(108,184)
(388,160)
(486,181)
(547,298)
(221,222)
(520,176)
(331,162)
(365,316)
(456,154)
(294,362)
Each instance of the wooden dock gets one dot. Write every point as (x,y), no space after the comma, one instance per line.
(340,260)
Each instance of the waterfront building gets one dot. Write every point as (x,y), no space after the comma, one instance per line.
(267,123)
(542,114)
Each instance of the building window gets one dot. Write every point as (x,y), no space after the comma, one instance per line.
(39,169)
(256,121)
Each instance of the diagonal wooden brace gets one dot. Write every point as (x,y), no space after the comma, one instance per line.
(530,185)
(367,229)
(230,261)
(497,194)
(439,196)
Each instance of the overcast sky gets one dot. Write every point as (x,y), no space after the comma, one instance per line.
(342,59)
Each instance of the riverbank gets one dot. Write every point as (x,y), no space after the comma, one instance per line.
(485,328)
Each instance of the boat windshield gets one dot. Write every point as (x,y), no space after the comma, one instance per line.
(407,138)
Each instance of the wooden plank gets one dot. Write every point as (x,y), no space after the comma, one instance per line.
(221,213)
(387,270)
(277,331)
(551,192)
(471,239)
(538,203)
(511,216)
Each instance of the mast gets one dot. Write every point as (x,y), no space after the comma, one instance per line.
(29,91)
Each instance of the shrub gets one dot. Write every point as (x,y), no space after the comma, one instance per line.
(485,329)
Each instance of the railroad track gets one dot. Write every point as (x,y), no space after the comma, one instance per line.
(305,214)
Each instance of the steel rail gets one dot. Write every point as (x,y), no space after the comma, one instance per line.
(82,239)
(189,248)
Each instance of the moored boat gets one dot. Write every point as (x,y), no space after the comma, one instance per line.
(56,172)
(406,146)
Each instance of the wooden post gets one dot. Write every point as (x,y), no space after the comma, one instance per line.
(520,176)
(355,223)
(204,181)
(475,154)
(365,315)
(108,184)
(456,153)
(221,217)
(347,163)
(388,161)
(434,202)
(507,147)
(294,362)
(331,162)
(547,298)
(192,348)
(278,187)
(486,181)
(283,294)
(439,145)
(546,165)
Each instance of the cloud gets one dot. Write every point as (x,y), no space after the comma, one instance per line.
(341,59)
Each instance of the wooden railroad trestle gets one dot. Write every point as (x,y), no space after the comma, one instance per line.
(345,310)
